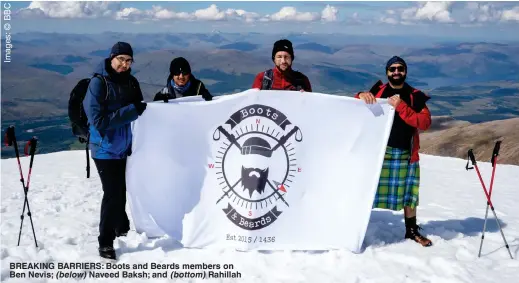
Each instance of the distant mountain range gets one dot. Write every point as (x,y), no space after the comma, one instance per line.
(455,138)
(475,82)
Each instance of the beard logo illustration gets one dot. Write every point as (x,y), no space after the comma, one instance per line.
(253,177)
(256,165)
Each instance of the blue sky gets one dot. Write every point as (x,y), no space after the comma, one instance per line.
(468,20)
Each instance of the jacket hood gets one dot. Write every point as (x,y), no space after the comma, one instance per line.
(101,68)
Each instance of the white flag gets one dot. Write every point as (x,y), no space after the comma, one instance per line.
(266,170)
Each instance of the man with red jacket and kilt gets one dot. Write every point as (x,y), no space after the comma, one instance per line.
(399,182)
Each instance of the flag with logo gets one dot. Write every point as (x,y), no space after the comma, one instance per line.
(258,170)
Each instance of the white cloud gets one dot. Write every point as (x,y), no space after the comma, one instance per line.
(160,13)
(388,20)
(155,13)
(291,14)
(329,14)
(473,13)
(391,18)
(439,12)
(478,13)
(242,14)
(510,15)
(481,13)
(211,13)
(130,14)
(79,9)
(288,13)
(431,11)
(87,9)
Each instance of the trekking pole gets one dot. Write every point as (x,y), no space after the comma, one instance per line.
(32,143)
(10,140)
(473,160)
(493,160)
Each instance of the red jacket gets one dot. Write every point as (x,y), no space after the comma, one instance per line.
(280,82)
(419,120)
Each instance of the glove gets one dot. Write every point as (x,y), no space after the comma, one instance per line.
(207,97)
(140,106)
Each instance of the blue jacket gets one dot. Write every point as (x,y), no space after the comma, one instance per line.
(110,116)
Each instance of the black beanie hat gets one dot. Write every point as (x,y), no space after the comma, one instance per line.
(179,65)
(282,45)
(121,48)
(396,59)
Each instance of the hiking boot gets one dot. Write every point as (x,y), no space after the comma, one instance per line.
(413,234)
(121,233)
(107,252)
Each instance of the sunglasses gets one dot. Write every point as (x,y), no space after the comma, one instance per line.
(177,73)
(399,68)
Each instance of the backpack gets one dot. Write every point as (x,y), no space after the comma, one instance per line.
(266,84)
(77,115)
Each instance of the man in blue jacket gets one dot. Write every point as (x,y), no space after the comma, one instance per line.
(113,100)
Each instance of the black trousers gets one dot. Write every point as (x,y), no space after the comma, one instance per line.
(113,213)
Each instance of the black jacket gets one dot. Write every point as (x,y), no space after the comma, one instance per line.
(196,88)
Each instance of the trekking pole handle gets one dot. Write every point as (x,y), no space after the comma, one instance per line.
(9,136)
(472,157)
(497,147)
(33,142)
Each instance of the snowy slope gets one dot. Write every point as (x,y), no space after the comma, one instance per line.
(65,208)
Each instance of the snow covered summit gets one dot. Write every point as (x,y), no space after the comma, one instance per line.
(65,210)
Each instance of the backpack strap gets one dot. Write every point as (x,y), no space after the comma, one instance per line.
(381,90)
(105,105)
(102,78)
(267,80)
(412,96)
(298,80)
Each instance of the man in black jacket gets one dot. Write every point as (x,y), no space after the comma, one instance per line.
(181,83)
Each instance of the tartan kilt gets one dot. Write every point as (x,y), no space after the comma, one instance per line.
(399,181)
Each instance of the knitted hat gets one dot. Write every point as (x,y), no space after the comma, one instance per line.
(179,65)
(282,45)
(396,59)
(121,48)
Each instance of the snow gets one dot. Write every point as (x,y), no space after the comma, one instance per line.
(65,207)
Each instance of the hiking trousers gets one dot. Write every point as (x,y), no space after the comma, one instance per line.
(112,173)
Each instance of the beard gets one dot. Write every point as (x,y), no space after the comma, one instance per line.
(284,68)
(398,81)
(254,179)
